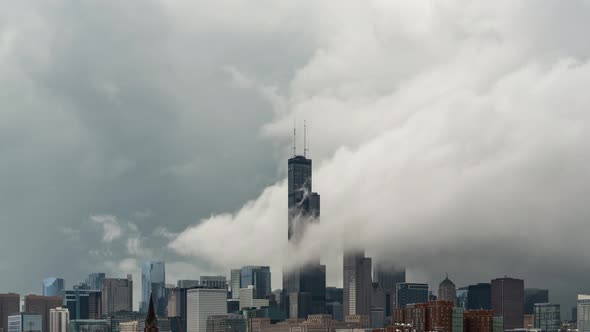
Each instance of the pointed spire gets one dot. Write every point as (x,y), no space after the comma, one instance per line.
(150,319)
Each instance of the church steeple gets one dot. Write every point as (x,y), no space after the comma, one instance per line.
(151,322)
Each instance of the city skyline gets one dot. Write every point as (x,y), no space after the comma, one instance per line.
(442,135)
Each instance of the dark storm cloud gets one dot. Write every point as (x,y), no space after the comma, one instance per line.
(123,111)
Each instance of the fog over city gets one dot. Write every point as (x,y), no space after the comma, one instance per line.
(447,137)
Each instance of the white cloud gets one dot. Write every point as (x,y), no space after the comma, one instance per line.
(443,135)
(112,230)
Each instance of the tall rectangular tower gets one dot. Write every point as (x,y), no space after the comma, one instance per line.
(357,283)
(153,281)
(508,301)
(117,295)
(42,305)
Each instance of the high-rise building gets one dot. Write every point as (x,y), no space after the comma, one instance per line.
(202,303)
(235,283)
(25,322)
(409,293)
(378,297)
(508,301)
(447,291)
(388,276)
(83,303)
(248,298)
(458,317)
(357,283)
(53,286)
(213,282)
(532,296)
(153,281)
(303,209)
(41,305)
(95,280)
(583,314)
(462,293)
(479,297)
(547,317)
(187,283)
(9,305)
(257,276)
(117,295)
(58,319)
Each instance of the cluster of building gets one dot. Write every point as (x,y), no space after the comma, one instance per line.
(376,298)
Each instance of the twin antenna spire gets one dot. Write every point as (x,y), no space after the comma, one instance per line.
(305,148)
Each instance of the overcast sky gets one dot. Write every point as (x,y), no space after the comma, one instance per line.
(446,136)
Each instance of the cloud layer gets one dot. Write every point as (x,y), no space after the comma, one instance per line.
(445,137)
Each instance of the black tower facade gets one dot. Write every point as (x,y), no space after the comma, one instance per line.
(304,209)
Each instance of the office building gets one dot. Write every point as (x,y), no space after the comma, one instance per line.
(153,282)
(88,325)
(447,291)
(53,287)
(378,298)
(41,305)
(458,317)
(357,283)
(547,317)
(303,209)
(226,323)
(388,276)
(336,310)
(9,305)
(25,322)
(479,297)
(462,293)
(532,296)
(257,276)
(202,303)
(248,299)
(478,321)
(377,318)
(583,315)
(508,301)
(59,319)
(235,283)
(430,316)
(83,303)
(117,295)
(300,305)
(408,293)
(213,282)
(95,281)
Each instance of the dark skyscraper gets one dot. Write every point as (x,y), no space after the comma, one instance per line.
(388,276)
(9,304)
(257,276)
(508,301)
(532,296)
(479,296)
(304,208)
(410,293)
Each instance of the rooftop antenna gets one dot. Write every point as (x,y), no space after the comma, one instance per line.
(294,139)
(305,149)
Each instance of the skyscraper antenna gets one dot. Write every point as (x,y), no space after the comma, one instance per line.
(304,138)
(294,138)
